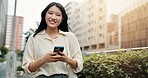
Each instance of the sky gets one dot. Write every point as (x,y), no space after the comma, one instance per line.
(31,10)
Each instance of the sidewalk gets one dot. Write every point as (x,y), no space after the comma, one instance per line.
(3,69)
(3,63)
(25,76)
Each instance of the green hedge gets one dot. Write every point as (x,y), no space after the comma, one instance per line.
(2,59)
(19,68)
(130,64)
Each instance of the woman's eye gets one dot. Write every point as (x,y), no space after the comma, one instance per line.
(58,15)
(50,13)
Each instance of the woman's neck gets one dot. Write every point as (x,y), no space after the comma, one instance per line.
(52,33)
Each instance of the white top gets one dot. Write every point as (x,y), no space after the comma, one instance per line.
(39,45)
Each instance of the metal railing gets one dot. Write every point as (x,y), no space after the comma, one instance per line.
(115,50)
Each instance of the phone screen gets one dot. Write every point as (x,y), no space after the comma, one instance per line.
(58,48)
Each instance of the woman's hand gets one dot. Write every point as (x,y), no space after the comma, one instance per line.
(64,58)
(50,57)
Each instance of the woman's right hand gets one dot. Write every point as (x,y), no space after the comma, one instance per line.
(50,57)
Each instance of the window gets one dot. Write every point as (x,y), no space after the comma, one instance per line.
(94,46)
(102,45)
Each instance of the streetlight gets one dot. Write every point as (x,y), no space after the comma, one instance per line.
(11,58)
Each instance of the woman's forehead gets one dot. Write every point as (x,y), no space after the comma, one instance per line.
(55,9)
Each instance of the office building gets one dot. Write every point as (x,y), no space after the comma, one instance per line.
(18,32)
(89,24)
(113,33)
(134,26)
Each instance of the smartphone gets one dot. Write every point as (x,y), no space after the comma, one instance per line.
(58,48)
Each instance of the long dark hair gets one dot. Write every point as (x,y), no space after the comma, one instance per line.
(63,25)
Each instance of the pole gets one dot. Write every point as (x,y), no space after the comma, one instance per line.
(13,30)
(11,58)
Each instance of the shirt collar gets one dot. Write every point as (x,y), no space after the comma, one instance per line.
(61,32)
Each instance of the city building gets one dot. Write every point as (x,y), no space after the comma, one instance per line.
(113,33)
(117,18)
(3,19)
(71,8)
(99,27)
(18,32)
(134,26)
(89,24)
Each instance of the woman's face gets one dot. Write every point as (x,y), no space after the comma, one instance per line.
(53,17)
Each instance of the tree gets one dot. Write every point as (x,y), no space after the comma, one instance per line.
(19,54)
(28,33)
(3,50)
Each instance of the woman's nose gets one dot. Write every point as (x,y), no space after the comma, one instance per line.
(53,16)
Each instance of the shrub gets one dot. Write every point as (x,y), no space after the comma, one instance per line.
(19,68)
(2,59)
(130,64)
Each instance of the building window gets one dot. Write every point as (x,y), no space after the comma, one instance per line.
(100,35)
(94,46)
(100,18)
(100,9)
(101,45)
(100,26)
(86,47)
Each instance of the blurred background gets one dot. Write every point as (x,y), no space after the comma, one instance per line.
(100,26)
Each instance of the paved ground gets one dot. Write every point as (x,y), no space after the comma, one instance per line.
(3,72)
(2,69)
(25,76)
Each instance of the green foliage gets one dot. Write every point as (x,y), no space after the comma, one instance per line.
(131,64)
(2,59)
(19,54)
(19,68)
(3,50)
(28,33)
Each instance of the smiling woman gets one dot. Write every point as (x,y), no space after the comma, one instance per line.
(39,57)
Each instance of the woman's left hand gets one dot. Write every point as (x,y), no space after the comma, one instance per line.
(64,58)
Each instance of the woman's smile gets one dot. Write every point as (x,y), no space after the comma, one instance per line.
(52,21)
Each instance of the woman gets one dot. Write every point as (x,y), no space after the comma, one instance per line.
(39,58)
